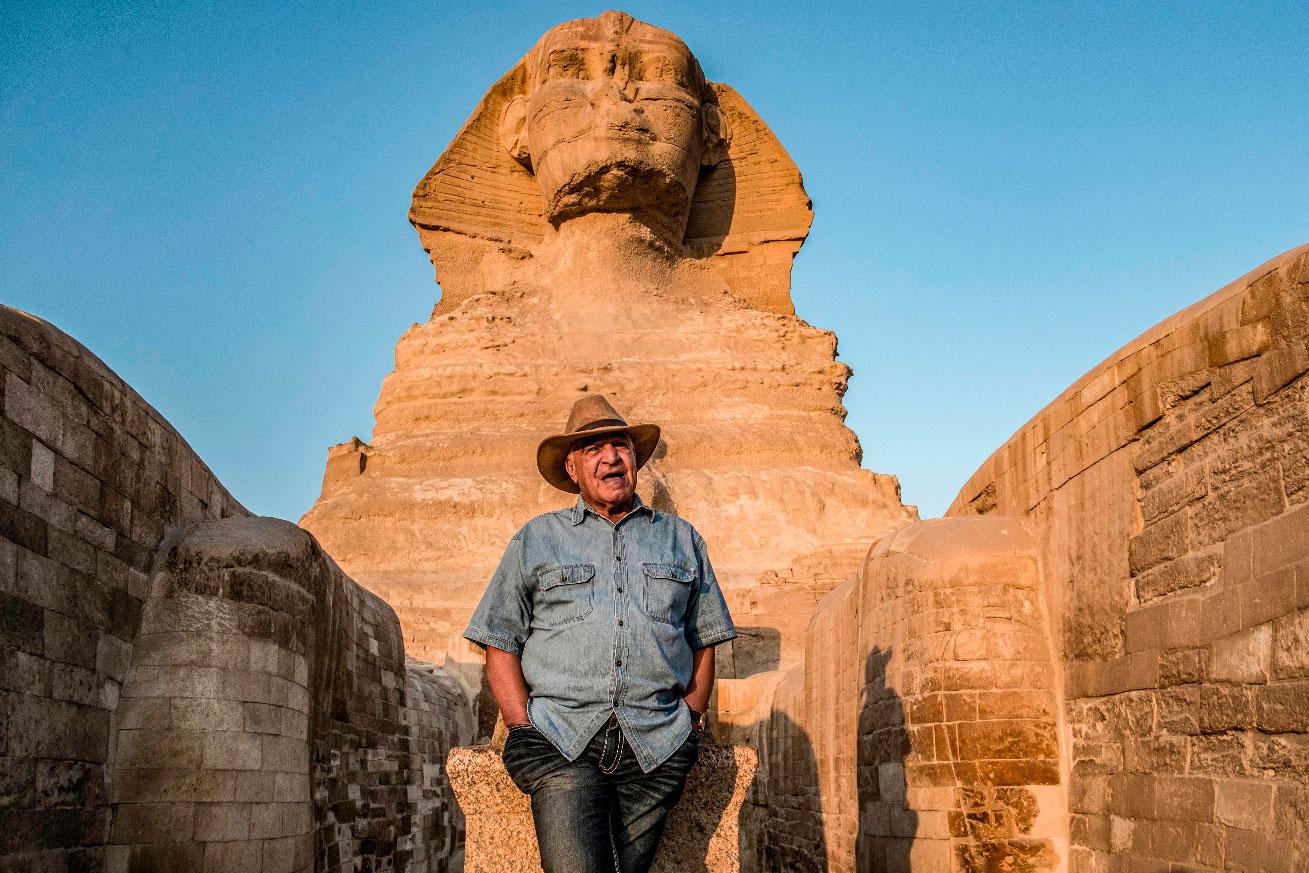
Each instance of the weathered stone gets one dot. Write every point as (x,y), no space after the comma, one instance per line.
(1243,657)
(701,832)
(1153,516)
(1291,646)
(1215,438)
(741,390)
(1281,707)
(1161,541)
(1243,804)
(1186,571)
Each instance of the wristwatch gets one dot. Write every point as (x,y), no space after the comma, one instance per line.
(697,719)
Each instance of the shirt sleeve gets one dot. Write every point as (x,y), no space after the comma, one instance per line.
(708,622)
(504,615)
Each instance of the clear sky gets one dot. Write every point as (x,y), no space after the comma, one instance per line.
(212,197)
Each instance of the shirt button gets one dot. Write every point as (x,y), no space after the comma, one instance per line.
(620,622)
(620,589)
(618,663)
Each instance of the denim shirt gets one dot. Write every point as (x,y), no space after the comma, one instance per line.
(605,617)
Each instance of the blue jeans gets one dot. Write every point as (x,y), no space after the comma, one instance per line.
(600,813)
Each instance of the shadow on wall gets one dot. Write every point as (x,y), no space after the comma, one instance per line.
(886,823)
(781,827)
(713,209)
(687,844)
(756,650)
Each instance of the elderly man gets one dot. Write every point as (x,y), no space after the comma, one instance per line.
(599,628)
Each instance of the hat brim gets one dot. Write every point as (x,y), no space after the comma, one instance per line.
(553,451)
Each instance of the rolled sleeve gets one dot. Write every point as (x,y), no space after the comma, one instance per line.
(708,622)
(504,615)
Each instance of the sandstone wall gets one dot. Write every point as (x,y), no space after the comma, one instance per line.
(1166,490)
(90,477)
(184,687)
(920,731)
(269,720)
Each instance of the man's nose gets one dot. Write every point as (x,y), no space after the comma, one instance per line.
(609,455)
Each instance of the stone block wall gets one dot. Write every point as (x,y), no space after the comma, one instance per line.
(90,478)
(1167,493)
(211,759)
(959,767)
(183,687)
(381,791)
(921,731)
(269,720)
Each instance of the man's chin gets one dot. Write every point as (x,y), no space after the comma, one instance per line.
(615,496)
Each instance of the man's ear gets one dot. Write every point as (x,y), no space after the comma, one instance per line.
(513,131)
(717,135)
(570,468)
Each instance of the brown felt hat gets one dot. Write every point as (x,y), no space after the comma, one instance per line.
(592,416)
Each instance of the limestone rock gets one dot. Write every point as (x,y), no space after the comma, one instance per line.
(702,831)
(673,302)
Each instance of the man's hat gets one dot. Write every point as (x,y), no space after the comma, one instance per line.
(592,416)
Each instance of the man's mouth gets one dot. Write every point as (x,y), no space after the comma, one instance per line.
(615,476)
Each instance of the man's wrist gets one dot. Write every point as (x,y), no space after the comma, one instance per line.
(697,718)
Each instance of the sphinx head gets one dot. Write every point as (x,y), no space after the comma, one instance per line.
(616,116)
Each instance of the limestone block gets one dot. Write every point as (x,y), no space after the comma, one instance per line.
(267,696)
(1186,538)
(701,833)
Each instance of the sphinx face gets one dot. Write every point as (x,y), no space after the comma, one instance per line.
(613,120)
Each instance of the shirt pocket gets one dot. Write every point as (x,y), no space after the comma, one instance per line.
(563,594)
(667,590)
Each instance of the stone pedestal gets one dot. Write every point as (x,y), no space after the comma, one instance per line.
(702,832)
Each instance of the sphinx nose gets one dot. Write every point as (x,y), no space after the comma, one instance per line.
(614,89)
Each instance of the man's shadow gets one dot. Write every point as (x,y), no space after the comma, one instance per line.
(887,825)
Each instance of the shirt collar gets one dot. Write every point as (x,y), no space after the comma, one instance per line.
(580,509)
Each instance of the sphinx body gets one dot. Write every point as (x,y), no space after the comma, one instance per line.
(610,221)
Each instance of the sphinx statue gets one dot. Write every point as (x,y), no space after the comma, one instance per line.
(609,220)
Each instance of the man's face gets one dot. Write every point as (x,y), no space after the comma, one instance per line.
(613,115)
(604,470)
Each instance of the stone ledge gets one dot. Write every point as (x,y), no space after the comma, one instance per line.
(702,832)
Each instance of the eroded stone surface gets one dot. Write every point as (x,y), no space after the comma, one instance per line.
(1167,489)
(603,282)
(183,687)
(702,831)
(920,732)
(269,718)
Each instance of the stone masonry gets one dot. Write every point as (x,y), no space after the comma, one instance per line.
(921,731)
(90,478)
(185,687)
(1167,492)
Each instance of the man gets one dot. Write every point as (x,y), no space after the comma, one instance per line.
(599,628)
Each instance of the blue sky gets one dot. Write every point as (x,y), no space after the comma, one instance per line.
(213,198)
